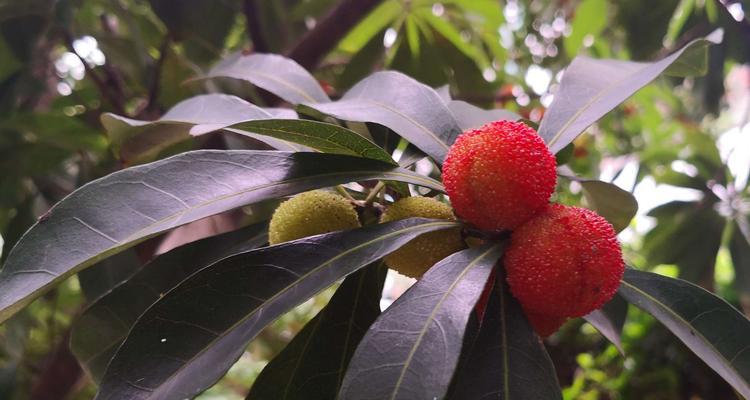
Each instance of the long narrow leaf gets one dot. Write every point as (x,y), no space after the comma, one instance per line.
(411,109)
(710,327)
(99,331)
(411,351)
(193,334)
(277,74)
(507,360)
(312,365)
(113,213)
(591,88)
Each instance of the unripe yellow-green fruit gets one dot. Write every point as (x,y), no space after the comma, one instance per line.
(416,257)
(311,213)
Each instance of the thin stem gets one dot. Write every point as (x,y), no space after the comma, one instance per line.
(342,191)
(374,193)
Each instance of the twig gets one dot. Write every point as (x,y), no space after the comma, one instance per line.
(254,31)
(374,193)
(342,191)
(319,41)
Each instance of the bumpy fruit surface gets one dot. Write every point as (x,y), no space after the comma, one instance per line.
(500,175)
(565,262)
(309,214)
(416,257)
(544,325)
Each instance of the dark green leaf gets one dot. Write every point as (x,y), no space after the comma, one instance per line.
(591,88)
(710,327)
(322,136)
(507,360)
(102,277)
(99,331)
(471,117)
(411,109)
(124,208)
(276,74)
(616,205)
(193,334)
(312,365)
(411,351)
(610,319)
(138,140)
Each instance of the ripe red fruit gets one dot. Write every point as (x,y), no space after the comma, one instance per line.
(544,325)
(500,175)
(565,262)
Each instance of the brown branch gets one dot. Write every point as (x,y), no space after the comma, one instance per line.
(254,31)
(319,41)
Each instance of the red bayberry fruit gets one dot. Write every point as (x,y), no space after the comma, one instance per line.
(544,325)
(565,262)
(500,175)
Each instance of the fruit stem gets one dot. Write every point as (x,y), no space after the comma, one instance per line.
(342,191)
(374,193)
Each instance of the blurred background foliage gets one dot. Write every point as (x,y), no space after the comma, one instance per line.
(682,146)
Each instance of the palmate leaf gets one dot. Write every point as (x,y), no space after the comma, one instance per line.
(411,109)
(506,360)
(313,364)
(710,327)
(411,351)
(194,333)
(99,331)
(591,88)
(277,74)
(122,209)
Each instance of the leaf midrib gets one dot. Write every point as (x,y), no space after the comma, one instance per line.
(294,283)
(698,334)
(435,309)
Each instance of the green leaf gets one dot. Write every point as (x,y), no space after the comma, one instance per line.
(99,279)
(122,209)
(277,74)
(99,331)
(449,32)
(57,130)
(411,109)
(322,136)
(138,141)
(681,14)
(616,205)
(469,116)
(505,357)
(377,21)
(710,327)
(313,364)
(591,88)
(194,333)
(610,319)
(591,17)
(411,351)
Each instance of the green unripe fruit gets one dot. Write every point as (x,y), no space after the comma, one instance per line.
(311,213)
(416,257)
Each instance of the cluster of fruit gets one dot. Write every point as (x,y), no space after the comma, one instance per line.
(562,262)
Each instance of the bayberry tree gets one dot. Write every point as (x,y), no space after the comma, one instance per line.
(499,260)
